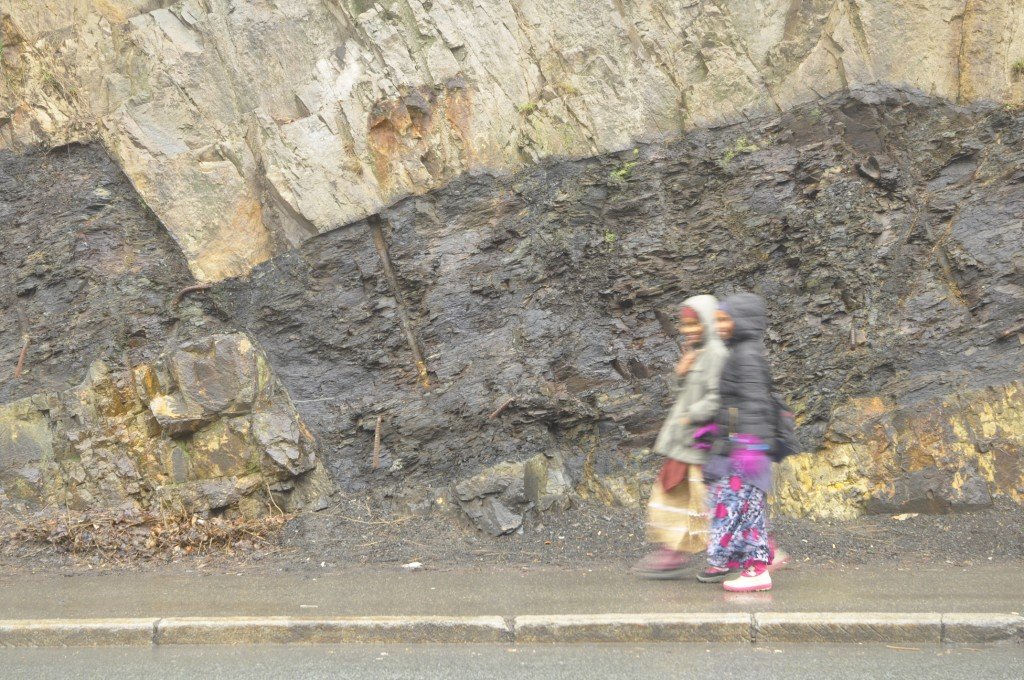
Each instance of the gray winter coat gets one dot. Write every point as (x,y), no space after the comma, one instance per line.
(697,392)
(745,387)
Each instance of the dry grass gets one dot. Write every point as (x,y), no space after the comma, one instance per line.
(127,535)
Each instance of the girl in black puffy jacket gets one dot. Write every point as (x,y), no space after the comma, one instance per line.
(741,473)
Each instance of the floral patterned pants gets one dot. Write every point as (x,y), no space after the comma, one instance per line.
(738,516)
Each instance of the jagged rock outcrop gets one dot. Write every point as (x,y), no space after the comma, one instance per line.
(884,229)
(249,127)
(225,437)
(115,388)
(496,499)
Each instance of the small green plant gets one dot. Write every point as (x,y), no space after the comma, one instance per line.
(610,237)
(3,67)
(1017,70)
(253,467)
(741,145)
(622,173)
(527,108)
(566,89)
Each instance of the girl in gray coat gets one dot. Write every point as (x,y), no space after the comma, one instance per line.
(677,512)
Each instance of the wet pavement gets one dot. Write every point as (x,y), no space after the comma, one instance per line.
(505,592)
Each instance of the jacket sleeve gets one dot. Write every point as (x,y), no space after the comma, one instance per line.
(754,399)
(706,408)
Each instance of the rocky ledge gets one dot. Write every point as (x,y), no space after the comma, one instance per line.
(499,345)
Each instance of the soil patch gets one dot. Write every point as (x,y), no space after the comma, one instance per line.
(352,535)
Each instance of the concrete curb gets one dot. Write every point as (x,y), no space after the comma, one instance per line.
(982,627)
(634,628)
(757,628)
(847,627)
(284,630)
(76,632)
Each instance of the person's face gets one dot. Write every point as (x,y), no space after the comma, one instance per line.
(691,329)
(724,324)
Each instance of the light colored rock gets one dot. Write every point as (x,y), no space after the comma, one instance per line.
(204,428)
(486,497)
(493,480)
(546,483)
(27,449)
(250,127)
(491,515)
(946,453)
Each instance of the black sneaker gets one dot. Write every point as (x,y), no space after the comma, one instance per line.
(716,574)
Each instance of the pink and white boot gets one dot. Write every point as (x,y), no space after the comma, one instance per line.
(749,581)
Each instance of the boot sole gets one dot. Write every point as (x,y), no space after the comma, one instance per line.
(663,575)
(747,589)
(717,578)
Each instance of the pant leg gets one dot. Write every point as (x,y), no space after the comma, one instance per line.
(738,536)
(750,541)
(725,505)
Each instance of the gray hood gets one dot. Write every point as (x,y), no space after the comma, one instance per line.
(705,306)
(748,313)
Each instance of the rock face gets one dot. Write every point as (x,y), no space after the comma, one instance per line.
(497,498)
(884,229)
(109,442)
(938,455)
(123,395)
(250,127)
(502,319)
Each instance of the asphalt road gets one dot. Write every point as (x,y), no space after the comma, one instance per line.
(415,662)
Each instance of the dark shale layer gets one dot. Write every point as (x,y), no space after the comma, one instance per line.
(87,272)
(505,317)
(884,229)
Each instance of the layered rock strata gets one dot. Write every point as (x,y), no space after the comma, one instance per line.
(884,229)
(116,386)
(525,322)
(250,127)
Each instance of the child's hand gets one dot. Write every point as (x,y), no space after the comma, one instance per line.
(685,363)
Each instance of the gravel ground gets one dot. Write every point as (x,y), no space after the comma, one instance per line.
(350,535)
(597,532)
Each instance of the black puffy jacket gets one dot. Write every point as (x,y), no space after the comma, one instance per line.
(745,387)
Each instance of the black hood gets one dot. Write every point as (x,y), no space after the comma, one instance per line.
(748,313)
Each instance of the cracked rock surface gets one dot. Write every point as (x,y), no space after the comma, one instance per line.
(111,393)
(251,127)
(883,228)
